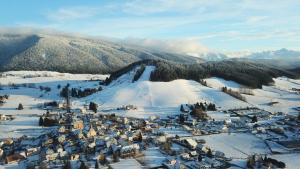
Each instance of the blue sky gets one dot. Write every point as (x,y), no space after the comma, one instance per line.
(222,25)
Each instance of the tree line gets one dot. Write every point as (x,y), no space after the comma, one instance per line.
(247,73)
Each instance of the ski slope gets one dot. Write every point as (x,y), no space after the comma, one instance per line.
(145,93)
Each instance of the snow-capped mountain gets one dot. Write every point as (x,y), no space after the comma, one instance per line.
(210,56)
(75,54)
(277,54)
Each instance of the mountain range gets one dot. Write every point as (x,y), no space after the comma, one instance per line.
(79,54)
(73,54)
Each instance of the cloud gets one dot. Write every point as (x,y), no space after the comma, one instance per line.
(220,24)
(255,19)
(237,54)
(181,46)
(72,13)
(141,7)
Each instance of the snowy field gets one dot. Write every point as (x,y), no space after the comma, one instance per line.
(291,160)
(127,163)
(218,83)
(26,121)
(236,145)
(153,157)
(280,93)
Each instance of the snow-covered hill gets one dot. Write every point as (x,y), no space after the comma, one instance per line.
(144,93)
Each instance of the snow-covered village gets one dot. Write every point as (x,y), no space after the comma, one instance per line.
(47,123)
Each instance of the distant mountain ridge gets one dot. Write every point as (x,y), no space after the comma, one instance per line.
(78,54)
(74,54)
(277,54)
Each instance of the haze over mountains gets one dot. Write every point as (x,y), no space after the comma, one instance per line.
(68,53)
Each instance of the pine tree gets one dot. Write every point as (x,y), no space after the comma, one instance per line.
(41,121)
(93,106)
(20,107)
(67,165)
(115,157)
(181,108)
(97,165)
(254,119)
(251,161)
(82,165)
(200,157)
(181,118)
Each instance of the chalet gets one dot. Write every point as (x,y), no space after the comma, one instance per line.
(2,117)
(110,141)
(75,157)
(61,138)
(62,129)
(9,117)
(148,128)
(130,150)
(191,143)
(32,151)
(78,124)
(225,129)
(8,141)
(203,148)
(185,156)
(14,158)
(193,153)
(91,132)
(161,139)
(61,105)
(92,145)
(51,157)
(125,120)
(59,149)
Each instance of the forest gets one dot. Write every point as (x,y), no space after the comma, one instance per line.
(247,73)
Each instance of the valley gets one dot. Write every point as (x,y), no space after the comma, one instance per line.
(263,128)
